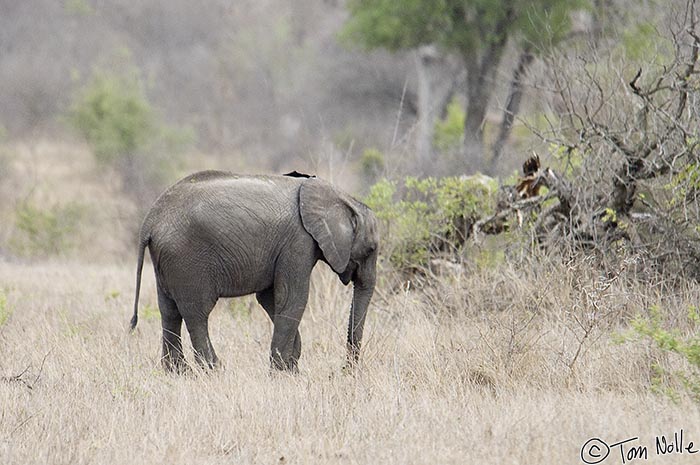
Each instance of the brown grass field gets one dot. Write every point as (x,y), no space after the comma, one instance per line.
(512,363)
(487,382)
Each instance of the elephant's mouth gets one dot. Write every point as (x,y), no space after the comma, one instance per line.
(349,274)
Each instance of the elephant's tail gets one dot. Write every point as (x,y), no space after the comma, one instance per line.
(143,243)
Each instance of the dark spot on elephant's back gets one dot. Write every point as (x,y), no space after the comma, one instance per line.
(296,174)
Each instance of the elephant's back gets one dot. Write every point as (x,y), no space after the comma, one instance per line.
(221,189)
(227,184)
(207,175)
(204,205)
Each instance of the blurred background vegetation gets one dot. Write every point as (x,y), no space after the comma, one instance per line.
(105,103)
(426,109)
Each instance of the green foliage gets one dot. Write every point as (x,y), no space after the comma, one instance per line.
(475,30)
(643,43)
(150,312)
(5,310)
(424,217)
(683,183)
(449,131)
(672,341)
(78,7)
(545,23)
(610,216)
(114,116)
(567,159)
(395,25)
(405,223)
(240,309)
(372,163)
(460,25)
(43,232)
(112,295)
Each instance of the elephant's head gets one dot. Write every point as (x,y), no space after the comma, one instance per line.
(346,232)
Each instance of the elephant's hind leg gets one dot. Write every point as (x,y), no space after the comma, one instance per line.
(197,320)
(171,321)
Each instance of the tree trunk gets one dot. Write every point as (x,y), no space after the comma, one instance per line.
(515,95)
(475,114)
(481,72)
(426,118)
(438,77)
(480,84)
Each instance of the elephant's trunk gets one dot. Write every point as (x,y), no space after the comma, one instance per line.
(362,294)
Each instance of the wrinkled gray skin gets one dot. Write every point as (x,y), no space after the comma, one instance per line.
(216,234)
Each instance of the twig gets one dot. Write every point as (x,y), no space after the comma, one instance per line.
(20,377)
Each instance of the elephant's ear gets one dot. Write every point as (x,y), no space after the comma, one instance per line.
(329,219)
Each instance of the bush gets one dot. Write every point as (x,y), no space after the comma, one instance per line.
(449,131)
(114,116)
(676,344)
(372,163)
(625,158)
(44,232)
(424,218)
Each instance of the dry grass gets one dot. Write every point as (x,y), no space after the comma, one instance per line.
(479,373)
(510,364)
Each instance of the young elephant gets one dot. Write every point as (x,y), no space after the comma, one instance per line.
(216,234)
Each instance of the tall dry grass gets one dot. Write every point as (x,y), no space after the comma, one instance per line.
(492,366)
(510,363)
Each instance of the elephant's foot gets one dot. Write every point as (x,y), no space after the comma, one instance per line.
(278,363)
(353,358)
(174,363)
(208,361)
(173,359)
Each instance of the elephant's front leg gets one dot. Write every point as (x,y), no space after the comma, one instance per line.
(290,302)
(266,299)
(203,350)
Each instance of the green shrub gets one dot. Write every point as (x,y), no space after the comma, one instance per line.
(114,116)
(372,163)
(450,130)
(43,232)
(642,43)
(423,218)
(671,341)
(405,225)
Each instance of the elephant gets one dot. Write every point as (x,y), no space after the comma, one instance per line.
(217,234)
